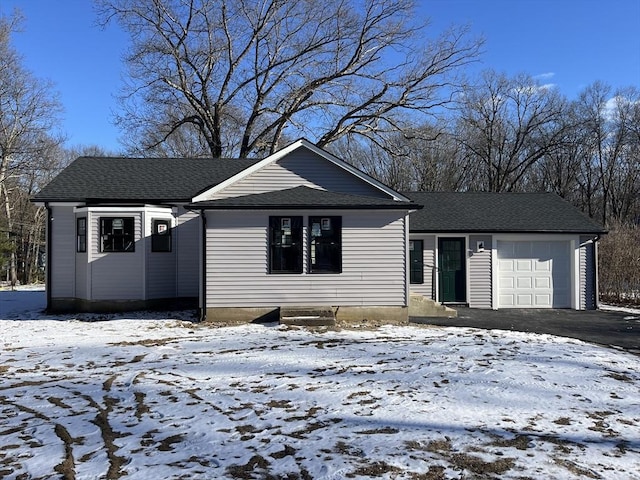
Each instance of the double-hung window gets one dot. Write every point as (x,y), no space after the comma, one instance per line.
(325,244)
(416,260)
(117,234)
(81,235)
(285,244)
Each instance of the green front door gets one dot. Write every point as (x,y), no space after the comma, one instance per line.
(451,270)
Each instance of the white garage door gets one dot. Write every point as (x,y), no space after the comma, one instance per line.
(534,274)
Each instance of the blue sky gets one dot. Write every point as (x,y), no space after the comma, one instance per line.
(568,43)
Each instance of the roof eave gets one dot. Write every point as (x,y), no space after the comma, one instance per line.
(401,207)
(498,231)
(112,201)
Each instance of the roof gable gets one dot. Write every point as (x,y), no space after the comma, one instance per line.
(281,156)
(475,212)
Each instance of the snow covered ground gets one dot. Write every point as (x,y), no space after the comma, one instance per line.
(154,396)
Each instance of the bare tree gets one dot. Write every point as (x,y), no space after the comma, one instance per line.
(28,117)
(506,125)
(558,170)
(611,160)
(624,175)
(243,73)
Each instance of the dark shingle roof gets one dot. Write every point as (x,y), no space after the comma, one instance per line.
(497,212)
(302,197)
(94,179)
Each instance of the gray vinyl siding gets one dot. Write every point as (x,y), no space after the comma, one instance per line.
(187,242)
(301,168)
(63,252)
(161,266)
(82,286)
(373,263)
(587,275)
(480,292)
(117,275)
(429,258)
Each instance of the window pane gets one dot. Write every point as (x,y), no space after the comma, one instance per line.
(161,236)
(117,234)
(285,244)
(325,244)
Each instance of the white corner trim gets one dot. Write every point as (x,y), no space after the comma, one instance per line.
(574,246)
(494,273)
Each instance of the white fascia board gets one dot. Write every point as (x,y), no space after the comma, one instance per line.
(115,208)
(58,204)
(302,143)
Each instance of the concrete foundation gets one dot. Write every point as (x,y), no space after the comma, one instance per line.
(372,315)
(239,315)
(346,315)
(81,305)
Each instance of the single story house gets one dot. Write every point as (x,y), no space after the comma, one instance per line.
(242,238)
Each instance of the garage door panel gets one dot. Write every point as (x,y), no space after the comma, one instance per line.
(507,301)
(524,282)
(543,266)
(524,300)
(543,299)
(544,282)
(534,274)
(506,265)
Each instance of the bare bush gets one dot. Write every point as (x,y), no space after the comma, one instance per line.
(620,265)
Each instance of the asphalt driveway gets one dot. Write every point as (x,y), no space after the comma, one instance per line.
(617,329)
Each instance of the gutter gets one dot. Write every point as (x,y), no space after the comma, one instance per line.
(409,207)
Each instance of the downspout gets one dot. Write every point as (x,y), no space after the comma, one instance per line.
(596,282)
(407,262)
(48,248)
(203,266)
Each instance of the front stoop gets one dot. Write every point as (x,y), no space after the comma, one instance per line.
(308,316)
(421,306)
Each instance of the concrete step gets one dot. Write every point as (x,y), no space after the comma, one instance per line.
(421,306)
(307,316)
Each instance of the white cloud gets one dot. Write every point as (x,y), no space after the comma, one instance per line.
(545,76)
